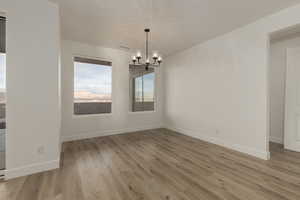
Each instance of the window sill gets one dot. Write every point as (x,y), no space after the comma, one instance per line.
(142,112)
(92,115)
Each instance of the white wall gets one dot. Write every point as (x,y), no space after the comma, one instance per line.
(277,84)
(121,120)
(219,90)
(33,115)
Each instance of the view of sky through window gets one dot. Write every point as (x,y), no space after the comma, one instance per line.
(92,82)
(148,81)
(2,77)
(149,87)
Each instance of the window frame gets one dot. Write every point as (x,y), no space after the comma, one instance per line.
(155,97)
(73,87)
(4,52)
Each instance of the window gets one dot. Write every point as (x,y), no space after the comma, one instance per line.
(142,88)
(2,90)
(92,86)
(2,71)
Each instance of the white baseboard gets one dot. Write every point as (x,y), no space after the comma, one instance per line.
(237,147)
(31,169)
(87,135)
(276,139)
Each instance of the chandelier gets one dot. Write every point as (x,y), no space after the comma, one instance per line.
(156,59)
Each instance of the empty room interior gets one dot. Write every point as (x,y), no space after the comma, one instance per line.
(149,100)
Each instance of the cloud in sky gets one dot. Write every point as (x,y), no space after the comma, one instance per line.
(94,82)
(92,79)
(149,80)
(2,71)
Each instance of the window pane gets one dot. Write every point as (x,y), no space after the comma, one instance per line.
(138,89)
(92,88)
(149,87)
(142,83)
(2,88)
(2,77)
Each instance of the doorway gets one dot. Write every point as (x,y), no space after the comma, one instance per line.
(284,91)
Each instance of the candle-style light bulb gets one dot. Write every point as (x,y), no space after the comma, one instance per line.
(138,56)
(159,60)
(148,61)
(133,59)
(155,56)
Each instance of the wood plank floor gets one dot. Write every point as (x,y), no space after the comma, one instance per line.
(159,164)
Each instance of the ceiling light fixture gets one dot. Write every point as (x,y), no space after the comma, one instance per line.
(137,59)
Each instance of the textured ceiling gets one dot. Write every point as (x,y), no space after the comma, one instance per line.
(175,24)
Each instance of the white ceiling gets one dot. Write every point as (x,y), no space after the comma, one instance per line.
(175,24)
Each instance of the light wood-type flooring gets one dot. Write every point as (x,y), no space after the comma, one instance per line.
(159,164)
